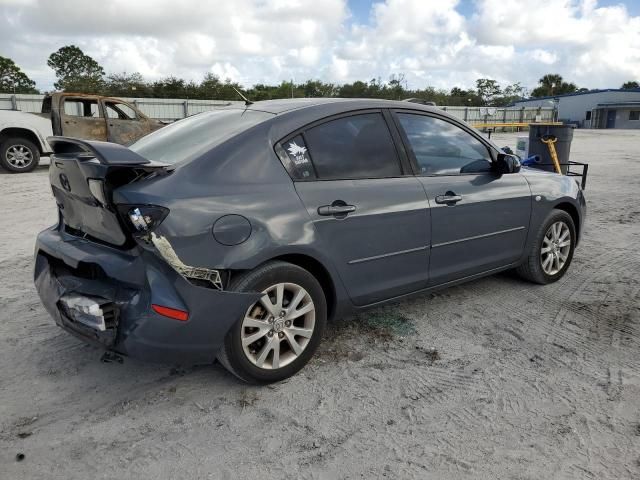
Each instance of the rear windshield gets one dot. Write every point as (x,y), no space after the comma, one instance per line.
(194,135)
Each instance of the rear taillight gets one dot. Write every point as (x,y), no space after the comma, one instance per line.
(143,219)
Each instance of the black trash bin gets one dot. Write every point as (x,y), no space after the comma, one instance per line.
(564,135)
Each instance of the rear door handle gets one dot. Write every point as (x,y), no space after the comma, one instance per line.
(449,198)
(336,210)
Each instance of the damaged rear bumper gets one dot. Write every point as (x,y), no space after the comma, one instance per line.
(104,295)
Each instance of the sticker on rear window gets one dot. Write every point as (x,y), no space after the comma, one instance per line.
(298,155)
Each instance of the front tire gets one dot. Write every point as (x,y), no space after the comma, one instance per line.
(280,332)
(19,155)
(552,250)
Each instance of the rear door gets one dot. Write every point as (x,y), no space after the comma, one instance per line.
(479,219)
(371,215)
(123,125)
(82,118)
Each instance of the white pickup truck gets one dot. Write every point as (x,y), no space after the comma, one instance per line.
(23,136)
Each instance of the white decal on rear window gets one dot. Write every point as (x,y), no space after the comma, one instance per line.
(298,153)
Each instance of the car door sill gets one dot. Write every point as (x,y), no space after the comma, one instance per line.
(386,255)
(440,286)
(476,237)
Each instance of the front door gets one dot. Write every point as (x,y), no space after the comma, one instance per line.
(479,219)
(82,118)
(371,219)
(611,118)
(124,126)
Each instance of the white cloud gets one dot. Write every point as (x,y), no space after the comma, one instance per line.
(253,41)
(225,71)
(544,56)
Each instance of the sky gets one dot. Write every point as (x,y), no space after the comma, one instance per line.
(439,43)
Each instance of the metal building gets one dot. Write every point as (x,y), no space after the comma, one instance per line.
(610,108)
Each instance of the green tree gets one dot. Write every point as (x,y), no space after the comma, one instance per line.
(76,71)
(14,80)
(553,84)
(316,88)
(126,85)
(488,90)
(510,94)
(629,85)
(459,97)
(397,87)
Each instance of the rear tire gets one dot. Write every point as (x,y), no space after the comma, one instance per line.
(279,333)
(19,155)
(552,249)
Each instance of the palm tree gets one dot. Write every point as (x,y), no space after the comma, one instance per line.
(553,84)
(550,82)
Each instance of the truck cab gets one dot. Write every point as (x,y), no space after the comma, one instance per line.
(88,117)
(92,117)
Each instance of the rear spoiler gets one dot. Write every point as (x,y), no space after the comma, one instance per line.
(105,152)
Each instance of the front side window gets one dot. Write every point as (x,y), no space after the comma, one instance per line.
(634,115)
(442,148)
(120,111)
(357,146)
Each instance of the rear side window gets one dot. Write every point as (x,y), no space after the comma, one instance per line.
(196,135)
(357,146)
(442,148)
(77,107)
(295,157)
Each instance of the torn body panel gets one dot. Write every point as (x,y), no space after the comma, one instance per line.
(125,284)
(195,273)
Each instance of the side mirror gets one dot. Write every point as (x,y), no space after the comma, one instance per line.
(507,163)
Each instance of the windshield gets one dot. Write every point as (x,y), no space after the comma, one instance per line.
(194,135)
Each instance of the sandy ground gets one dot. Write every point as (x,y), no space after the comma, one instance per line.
(493,379)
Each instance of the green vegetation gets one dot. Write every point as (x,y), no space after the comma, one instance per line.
(14,80)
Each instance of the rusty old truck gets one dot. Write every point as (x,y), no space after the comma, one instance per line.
(23,136)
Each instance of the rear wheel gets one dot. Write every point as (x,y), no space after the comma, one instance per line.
(19,155)
(552,249)
(281,331)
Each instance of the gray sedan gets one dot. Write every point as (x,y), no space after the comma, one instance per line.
(237,234)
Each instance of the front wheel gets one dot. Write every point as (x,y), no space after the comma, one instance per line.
(281,331)
(552,250)
(19,155)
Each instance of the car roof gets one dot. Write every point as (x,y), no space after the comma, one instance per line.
(289,104)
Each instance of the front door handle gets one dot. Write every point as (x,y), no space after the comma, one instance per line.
(448,198)
(336,210)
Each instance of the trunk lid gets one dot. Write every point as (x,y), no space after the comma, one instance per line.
(83,175)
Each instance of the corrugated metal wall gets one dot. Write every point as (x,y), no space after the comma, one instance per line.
(167,109)
(170,109)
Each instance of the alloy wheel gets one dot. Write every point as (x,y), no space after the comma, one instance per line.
(19,156)
(279,326)
(556,246)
